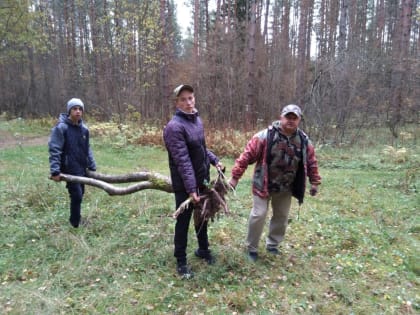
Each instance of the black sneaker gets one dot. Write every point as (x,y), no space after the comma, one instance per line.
(82,222)
(185,272)
(273,251)
(206,255)
(74,224)
(252,256)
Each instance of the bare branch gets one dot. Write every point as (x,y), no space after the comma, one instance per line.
(131,177)
(155,181)
(182,207)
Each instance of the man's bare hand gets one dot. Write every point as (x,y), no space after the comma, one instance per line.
(56,178)
(233,182)
(195,198)
(314,190)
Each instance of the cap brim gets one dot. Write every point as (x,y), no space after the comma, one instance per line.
(183,88)
(290,112)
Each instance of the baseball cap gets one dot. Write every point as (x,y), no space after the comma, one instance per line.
(291,108)
(182,87)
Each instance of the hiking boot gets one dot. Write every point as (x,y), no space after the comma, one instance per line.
(252,256)
(205,255)
(185,272)
(273,251)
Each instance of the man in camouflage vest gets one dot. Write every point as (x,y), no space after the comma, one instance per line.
(283,156)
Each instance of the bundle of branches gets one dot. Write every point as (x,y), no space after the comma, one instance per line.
(212,200)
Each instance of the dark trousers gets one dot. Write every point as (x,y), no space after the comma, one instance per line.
(76,192)
(181,230)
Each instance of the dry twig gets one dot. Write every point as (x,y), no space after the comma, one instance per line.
(212,200)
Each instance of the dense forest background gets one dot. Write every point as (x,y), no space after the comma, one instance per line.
(349,64)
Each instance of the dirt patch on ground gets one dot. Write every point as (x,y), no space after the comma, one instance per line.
(8,140)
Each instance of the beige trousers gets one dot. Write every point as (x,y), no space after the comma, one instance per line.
(280,204)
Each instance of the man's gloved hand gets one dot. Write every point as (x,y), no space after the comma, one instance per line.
(314,190)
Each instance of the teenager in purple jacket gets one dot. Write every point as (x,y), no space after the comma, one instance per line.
(189,164)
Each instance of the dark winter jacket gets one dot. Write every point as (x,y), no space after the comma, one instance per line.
(189,159)
(69,148)
(256,152)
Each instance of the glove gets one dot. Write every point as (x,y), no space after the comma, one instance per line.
(314,190)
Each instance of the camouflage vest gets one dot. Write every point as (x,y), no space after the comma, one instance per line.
(283,157)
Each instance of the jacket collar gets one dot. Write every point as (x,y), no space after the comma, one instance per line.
(185,115)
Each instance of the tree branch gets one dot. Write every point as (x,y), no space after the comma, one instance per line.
(149,180)
(131,177)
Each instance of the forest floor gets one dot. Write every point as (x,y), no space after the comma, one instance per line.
(351,250)
(8,140)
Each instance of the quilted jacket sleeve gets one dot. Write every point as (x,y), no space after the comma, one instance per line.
(55,148)
(91,164)
(312,165)
(212,157)
(252,153)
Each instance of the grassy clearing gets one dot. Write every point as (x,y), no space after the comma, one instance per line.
(352,250)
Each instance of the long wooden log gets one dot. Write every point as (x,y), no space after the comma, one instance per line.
(130,177)
(148,180)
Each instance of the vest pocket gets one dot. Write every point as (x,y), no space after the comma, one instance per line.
(258,179)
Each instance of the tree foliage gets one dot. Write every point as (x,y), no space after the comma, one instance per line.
(347,63)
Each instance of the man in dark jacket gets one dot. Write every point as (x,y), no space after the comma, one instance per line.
(284,157)
(70,153)
(189,163)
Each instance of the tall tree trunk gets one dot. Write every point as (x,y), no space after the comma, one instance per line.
(401,40)
(31,96)
(322,29)
(164,82)
(74,79)
(301,52)
(207,23)
(251,90)
(309,32)
(342,35)
(380,24)
(286,65)
(332,27)
(196,33)
(265,30)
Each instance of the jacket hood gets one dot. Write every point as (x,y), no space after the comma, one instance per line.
(276,124)
(64,118)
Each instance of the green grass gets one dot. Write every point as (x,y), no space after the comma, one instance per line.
(354,249)
(20,127)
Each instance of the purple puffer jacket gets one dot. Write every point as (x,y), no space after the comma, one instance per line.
(189,159)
